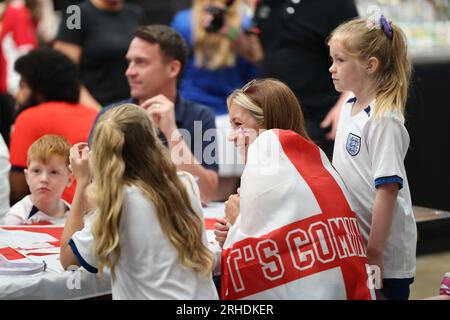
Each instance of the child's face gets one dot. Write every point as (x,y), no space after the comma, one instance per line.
(347,72)
(48,181)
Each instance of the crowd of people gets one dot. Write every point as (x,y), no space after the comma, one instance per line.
(122,129)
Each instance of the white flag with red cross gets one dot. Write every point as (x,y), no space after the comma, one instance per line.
(297,236)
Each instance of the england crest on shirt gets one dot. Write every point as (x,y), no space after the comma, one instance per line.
(353,144)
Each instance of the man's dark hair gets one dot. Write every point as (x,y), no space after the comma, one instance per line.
(171,43)
(50,74)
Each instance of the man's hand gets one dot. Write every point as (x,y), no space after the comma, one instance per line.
(162,112)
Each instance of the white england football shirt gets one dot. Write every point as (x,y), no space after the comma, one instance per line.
(25,212)
(369,152)
(149,266)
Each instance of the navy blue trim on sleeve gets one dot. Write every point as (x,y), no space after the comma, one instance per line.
(80,259)
(351,100)
(391,179)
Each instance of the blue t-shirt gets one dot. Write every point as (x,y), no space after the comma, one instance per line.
(210,87)
(197,124)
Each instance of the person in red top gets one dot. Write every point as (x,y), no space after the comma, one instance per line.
(17,37)
(48,104)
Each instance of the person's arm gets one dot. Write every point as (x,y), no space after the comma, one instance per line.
(47,27)
(248,46)
(4,178)
(332,117)
(162,112)
(22,136)
(19,186)
(74,52)
(382,217)
(80,204)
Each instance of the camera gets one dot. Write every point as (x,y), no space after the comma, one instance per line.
(218,14)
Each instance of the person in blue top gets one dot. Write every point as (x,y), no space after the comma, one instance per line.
(156,57)
(215,67)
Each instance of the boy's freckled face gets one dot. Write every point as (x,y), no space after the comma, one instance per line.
(48,181)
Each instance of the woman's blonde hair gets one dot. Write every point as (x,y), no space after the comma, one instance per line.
(213,50)
(272,104)
(126,151)
(363,40)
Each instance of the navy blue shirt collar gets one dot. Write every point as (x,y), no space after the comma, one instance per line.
(35,210)
(367,109)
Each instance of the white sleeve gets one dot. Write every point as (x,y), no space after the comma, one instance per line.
(17,215)
(4,178)
(388,142)
(12,219)
(82,243)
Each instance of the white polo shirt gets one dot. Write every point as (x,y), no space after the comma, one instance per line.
(149,265)
(368,153)
(25,212)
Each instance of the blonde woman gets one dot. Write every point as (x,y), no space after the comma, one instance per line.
(294,232)
(146,226)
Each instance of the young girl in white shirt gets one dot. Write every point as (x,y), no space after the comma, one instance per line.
(147,226)
(370,60)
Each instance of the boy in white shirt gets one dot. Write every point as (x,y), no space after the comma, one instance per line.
(47,176)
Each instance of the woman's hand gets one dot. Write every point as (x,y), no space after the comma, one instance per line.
(79,163)
(221,230)
(232,208)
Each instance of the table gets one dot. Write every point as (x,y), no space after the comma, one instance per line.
(55,283)
(433,230)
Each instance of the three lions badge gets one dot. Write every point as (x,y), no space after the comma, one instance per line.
(353,144)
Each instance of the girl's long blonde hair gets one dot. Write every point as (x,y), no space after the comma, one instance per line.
(363,40)
(213,50)
(126,151)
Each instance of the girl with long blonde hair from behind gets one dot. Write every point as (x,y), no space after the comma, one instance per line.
(369,59)
(146,228)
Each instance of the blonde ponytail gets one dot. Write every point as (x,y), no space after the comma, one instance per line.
(393,79)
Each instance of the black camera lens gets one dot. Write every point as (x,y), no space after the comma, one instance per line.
(218,18)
